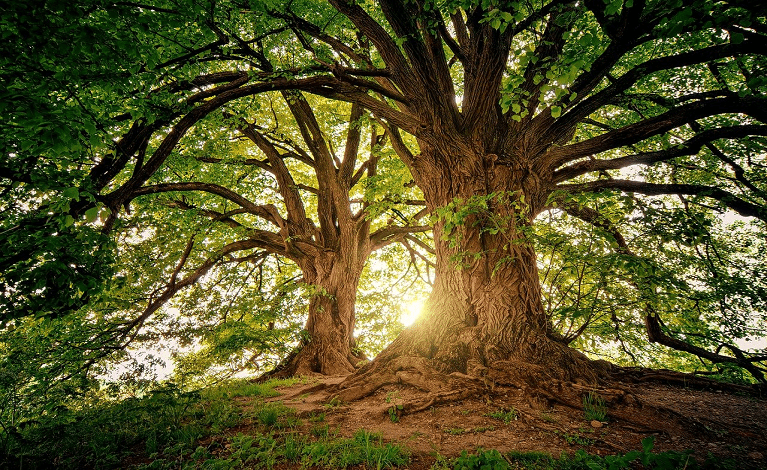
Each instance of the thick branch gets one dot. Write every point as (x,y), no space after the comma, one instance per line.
(352,146)
(287,187)
(589,105)
(744,208)
(689,147)
(386,46)
(267,212)
(656,335)
(389,235)
(633,133)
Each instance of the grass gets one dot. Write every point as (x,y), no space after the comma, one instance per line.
(594,407)
(580,460)
(574,439)
(164,424)
(268,450)
(507,416)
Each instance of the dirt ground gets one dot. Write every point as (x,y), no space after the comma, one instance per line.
(729,426)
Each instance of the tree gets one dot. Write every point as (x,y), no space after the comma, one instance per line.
(501,111)
(330,248)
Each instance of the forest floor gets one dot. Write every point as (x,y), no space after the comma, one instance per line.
(727,426)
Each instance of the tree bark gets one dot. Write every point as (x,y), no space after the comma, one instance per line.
(328,347)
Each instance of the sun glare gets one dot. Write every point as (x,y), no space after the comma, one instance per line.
(411,312)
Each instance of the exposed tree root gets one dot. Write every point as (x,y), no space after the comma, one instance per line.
(436,399)
(541,389)
(413,371)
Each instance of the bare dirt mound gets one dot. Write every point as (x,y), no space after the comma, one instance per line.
(729,426)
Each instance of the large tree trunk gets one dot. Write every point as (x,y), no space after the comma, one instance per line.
(484,318)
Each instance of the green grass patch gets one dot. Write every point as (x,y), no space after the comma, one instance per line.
(580,460)
(594,407)
(102,433)
(507,416)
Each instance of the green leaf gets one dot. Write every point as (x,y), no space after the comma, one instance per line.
(648,443)
(71,193)
(92,214)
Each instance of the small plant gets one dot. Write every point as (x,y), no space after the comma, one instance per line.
(594,407)
(395,410)
(277,415)
(293,446)
(574,439)
(334,402)
(506,416)
(455,431)
(392,397)
(532,460)
(483,459)
(441,462)
(317,418)
(320,431)
(268,416)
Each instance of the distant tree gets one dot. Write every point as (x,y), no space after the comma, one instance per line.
(330,247)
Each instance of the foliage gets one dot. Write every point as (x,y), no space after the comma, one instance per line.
(583,272)
(101,431)
(483,459)
(486,214)
(166,168)
(166,425)
(68,68)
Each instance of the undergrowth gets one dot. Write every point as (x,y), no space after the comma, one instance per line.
(580,460)
(103,433)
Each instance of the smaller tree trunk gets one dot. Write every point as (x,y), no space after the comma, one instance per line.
(329,347)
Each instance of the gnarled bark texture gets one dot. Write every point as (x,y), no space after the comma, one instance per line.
(329,346)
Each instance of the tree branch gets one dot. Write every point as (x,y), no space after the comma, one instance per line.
(633,133)
(563,125)
(744,208)
(690,147)
(267,212)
